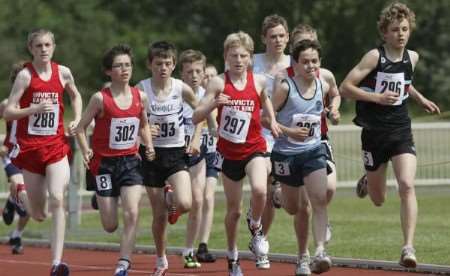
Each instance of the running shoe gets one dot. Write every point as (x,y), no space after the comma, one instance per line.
(258,243)
(190,261)
(60,270)
(203,255)
(16,245)
(408,257)
(234,268)
(361,187)
(302,268)
(262,262)
(160,271)
(8,211)
(321,263)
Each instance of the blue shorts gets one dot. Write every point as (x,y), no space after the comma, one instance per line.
(291,169)
(211,170)
(10,168)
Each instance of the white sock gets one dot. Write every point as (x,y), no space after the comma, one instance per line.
(123,262)
(188,251)
(255,223)
(56,262)
(233,254)
(162,261)
(16,234)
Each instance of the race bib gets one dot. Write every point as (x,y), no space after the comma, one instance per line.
(189,129)
(169,127)
(394,82)
(367,158)
(208,141)
(123,133)
(281,168)
(312,122)
(44,124)
(103,182)
(234,125)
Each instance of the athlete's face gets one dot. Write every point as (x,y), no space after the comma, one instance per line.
(276,39)
(162,67)
(42,48)
(121,69)
(397,34)
(238,59)
(210,72)
(193,73)
(308,63)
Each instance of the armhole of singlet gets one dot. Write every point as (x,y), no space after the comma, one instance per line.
(287,96)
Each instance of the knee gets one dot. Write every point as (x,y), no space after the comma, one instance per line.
(304,210)
(38,216)
(131,216)
(197,203)
(291,209)
(56,201)
(110,227)
(234,215)
(184,205)
(405,188)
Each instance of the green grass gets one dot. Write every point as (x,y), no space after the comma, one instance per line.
(360,230)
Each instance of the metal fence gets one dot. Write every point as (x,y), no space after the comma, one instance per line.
(433,155)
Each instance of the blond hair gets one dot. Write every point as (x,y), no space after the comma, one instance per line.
(190,56)
(239,39)
(393,12)
(37,33)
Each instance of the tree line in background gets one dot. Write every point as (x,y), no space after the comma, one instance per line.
(84,29)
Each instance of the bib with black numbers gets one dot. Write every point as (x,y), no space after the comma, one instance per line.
(394,82)
(168,127)
(312,122)
(218,160)
(234,125)
(103,182)
(45,123)
(123,133)
(189,129)
(209,141)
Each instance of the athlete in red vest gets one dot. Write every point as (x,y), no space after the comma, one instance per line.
(36,102)
(238,95)
(120,116)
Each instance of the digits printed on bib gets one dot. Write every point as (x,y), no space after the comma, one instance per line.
(123,132)
(282,168)
(312,122)
(394,82)
(45,123)
(103,182)
(234,125)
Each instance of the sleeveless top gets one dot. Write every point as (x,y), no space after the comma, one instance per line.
(301,112)
(259,67)
(116,132)
(42,128)
(239,125)
(388,75)
(167,113)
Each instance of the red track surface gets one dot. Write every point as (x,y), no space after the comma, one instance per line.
(36,262)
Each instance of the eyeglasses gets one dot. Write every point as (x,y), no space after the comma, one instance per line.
(122,65)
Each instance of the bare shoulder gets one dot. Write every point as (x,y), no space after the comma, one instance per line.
(24,76)
(260,82)
(327,75)
(97,98)
(414,56)
(66,74)
(216,84)
(371,57)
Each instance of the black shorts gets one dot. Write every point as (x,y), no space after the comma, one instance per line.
(291,169)
(114,173)
(329,154)
(167,162)
(211,170)
(192,160)
(235,169)
(379,147)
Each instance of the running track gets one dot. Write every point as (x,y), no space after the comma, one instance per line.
(35,262)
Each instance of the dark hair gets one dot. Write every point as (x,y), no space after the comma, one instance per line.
(303,45)
(120,49)
(190,56)
(162,49)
